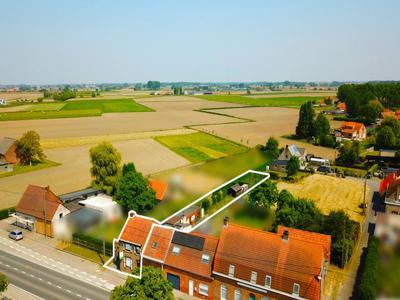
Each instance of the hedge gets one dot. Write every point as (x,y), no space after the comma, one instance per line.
(92,240)
(5,212)
(367,288)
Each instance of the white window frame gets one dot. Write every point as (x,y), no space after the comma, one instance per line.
(205,258)
(268,278)
(176,250)
(203,289)
(127,265)
(223,292)
(126,245)
(238,294)
(253,277)
(155,245)
(231,271)
(296,286)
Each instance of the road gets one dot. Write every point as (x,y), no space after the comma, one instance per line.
(46,283)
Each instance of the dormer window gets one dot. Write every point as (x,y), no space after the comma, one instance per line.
(231,270)
(176,250)
(268,281)
(205,258)
(154,246)
(296,289)
(253,278)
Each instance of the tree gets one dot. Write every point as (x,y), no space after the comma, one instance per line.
(153,85)
(305,128)
(152,285)
(272,147)
(293,166)
(326,140)
(205,204)
(106,166)
(264,195)
(393,123)
(371,111)
(321,125)
(367,289)
(349,153)
(129,167)
(385,137)
(3,283)
(28,148)
(133,191)
(328,101)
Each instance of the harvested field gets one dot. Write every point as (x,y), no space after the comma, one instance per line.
(148,156)
(15,108)
(46,106)
(330,193)
(20,95)
(293,94)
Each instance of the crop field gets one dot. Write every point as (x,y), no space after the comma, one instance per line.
(106,105)
(198,147)
(51,114)
(50,106)
(279,101)
(20,95)
(330,193)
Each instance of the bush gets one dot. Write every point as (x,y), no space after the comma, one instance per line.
(367,288)
(327,141)
(205,204)
(5,212)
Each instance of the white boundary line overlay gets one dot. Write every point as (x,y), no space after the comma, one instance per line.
(157,223)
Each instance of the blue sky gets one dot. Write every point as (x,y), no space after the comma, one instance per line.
(184,40)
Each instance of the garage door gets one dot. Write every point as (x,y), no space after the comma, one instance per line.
(175,281)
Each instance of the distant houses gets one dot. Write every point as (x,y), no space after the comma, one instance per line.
(8,155)
(243,263)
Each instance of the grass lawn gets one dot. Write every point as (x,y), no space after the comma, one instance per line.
(199,147)
(46,106)
(55,114)
(86,253)
(35,166)
(106,105)
(292,102)
(110,231)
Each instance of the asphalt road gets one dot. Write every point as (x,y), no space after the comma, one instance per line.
(46,283)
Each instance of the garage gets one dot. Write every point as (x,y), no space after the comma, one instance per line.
(175,280)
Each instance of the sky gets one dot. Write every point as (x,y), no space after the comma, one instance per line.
(82,41)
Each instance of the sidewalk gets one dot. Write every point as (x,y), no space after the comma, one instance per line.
(15,293)
(38,249)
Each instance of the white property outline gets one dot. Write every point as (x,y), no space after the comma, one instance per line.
(157,223)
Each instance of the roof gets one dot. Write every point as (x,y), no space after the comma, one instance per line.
(159,187)
(190,260)
(82,194)
(279,162)
(83,218)
(342,106)
(294,150)
(98,202)
(322,239)
(36,200)
(188,240)
(159,241)
(136,230)
(236,187)
(6,144)
(287,262)
(350,127)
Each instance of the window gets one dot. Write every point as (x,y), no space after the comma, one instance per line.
(224,292)
(205,258)
(60,215)
(296,289)
(128,262)
(137,250)
(231,270)
(154,246)
(264,298)
(252,297)
(253,278)
(203,289)
(238,294)
(268,281)
(128,247)
(176,250)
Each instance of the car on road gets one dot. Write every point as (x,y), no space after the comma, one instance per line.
(16,235)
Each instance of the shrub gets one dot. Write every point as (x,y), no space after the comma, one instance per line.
(5,212)
(367,288)
(205,204)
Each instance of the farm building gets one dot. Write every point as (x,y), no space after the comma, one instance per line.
(39,209)
(8,155)
(237,189)
(352,131)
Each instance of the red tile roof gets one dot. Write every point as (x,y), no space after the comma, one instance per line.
(159,187)
(158,244)
(322,239)
(342,106)
(189,259)
(136,230)
(350,127)
(36,200)
(287,262)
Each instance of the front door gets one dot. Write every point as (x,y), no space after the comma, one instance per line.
(191,287)
(175,280)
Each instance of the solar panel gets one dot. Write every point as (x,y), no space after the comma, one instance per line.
(188,240)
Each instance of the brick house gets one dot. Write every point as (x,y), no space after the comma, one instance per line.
(8,156)
(244,263)
(39,209)
(352,130)
(392,196)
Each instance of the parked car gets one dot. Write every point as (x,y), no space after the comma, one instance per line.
(16,235)
(324,169)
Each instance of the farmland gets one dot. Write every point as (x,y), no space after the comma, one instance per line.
(198,147)
(291,102)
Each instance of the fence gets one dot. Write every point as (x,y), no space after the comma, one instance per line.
(95,246)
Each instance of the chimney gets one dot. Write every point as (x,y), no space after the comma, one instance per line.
(226,221)
(285,236)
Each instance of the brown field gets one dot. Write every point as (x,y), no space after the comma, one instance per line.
(14,108)
(269,121)
(291,95)
(20,95)
(330,193)
(148,156)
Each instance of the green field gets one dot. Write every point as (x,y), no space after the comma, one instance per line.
(292,102)
(34,167)
(198,147)
(74,109)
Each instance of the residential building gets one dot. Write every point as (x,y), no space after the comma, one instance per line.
(186,218)
(387,228)
(281,162)
(39,209)
(352,131)
(392,196)
(341,106)
(8,155)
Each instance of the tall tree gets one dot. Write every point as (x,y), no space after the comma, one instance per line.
(321,125)
(305,125)
(265,195)
(272,147)
(106,166)
(28,148)
(385,137)
(152,286)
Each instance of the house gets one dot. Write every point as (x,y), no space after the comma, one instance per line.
(392,195)
(266,265)
(290,150)
(8,155)
(103,204)
(341,106)
(160,188)
(387,228)
(186,218)
(39,209)
(237,189)
(352,130)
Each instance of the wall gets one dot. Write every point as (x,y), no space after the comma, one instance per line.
(131,254)
(40,227)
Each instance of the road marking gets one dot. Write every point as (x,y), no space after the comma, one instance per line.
(40,278)
(68,291)
(59,287)
(48,282)
(80,296)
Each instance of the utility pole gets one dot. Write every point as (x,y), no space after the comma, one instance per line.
(364,200)
(45,212)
